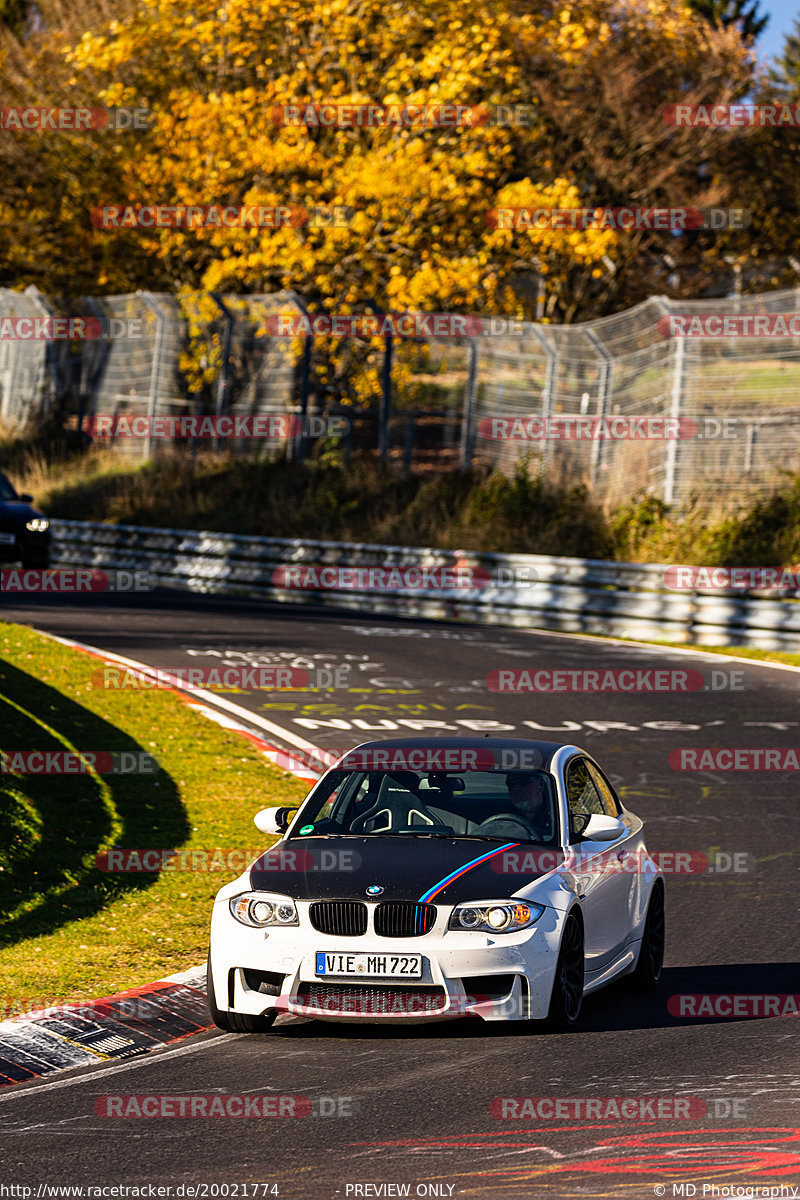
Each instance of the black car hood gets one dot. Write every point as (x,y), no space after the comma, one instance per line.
(18,510)
(405,867)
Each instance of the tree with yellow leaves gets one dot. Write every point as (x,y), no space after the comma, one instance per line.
(220,78)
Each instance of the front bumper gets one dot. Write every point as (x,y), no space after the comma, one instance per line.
(464,974)
(33,548)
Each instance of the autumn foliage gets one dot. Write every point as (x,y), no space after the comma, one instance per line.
(594,77)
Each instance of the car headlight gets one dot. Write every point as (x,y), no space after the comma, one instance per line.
(491,917)
(258,909)
(37,524)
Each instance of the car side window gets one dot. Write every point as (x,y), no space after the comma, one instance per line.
(610,805)
(339,798)
(582,796)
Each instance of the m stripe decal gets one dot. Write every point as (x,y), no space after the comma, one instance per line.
(476,862)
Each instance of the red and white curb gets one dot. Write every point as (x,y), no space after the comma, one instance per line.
(74,1035)
(46,1041)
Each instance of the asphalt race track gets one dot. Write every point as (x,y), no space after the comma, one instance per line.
(411,1106)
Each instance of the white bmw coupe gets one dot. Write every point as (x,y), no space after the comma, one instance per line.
(426,879)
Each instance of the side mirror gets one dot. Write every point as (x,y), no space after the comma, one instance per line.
(274,820)
(603,829)
(28,499)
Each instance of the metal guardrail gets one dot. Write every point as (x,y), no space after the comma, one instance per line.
(523,590)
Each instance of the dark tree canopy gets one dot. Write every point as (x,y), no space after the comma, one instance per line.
(741,14)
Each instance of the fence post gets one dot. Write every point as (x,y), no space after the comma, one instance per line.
(305,377)
(296,446)
(676,407)
(385,411)
(549,383)
(749,445)
(8,365)
(92,366)
(408,448)
(52,393)
(470,397)
(155,370)
(223,403)
(386,400)
(603,391)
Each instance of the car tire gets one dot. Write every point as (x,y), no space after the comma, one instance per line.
(647,972)
(229,1021)
(567,997)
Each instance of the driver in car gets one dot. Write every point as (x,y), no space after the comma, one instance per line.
(528,795)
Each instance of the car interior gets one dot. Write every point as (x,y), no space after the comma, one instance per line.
(435,803)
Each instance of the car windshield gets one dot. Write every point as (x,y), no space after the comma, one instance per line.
(500,806)
(6,490)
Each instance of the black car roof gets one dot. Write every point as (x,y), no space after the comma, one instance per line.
(545,749)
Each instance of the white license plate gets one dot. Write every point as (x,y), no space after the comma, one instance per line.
(7,539)
(369,966)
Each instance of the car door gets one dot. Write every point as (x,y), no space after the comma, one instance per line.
(603,881)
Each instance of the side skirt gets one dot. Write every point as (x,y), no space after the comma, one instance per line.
(621,966)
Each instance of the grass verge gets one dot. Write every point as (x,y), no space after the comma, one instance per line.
(68,930)
(784,657)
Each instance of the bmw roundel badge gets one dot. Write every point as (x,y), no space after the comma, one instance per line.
(375,890)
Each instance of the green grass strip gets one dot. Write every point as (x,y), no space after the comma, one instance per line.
(68,930)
